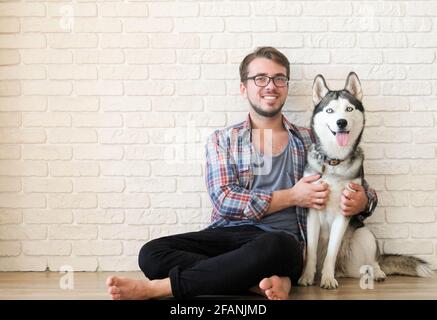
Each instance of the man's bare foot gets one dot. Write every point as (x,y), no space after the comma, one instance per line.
(276,288)
(128,289)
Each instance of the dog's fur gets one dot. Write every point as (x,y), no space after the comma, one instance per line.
(340,245)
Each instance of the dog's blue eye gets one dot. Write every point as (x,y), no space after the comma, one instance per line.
(349,109)
(329,110)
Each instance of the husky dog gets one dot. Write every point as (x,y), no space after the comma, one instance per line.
(340,245)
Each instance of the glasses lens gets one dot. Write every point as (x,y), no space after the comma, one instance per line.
(280,81)
(261,81)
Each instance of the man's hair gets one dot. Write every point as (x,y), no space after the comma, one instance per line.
(264,52)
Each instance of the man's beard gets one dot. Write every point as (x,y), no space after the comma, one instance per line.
(268,114)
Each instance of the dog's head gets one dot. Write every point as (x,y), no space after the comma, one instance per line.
(338,117)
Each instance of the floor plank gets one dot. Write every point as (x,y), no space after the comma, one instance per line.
(91,286)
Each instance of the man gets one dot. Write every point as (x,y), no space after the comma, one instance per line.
(257,235)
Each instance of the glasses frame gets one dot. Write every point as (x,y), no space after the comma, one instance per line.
(270,79)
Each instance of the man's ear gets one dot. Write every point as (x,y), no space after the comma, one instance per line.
(353,86)
(320,89)
(243,90)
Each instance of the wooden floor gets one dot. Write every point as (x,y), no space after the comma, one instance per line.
(91,286)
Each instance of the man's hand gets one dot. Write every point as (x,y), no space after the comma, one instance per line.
(306,194)
(352,202)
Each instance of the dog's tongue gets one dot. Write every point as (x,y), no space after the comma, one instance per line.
(342,138)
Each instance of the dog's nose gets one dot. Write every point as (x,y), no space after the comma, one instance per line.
(341,123)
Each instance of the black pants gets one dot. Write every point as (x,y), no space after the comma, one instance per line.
(221,261)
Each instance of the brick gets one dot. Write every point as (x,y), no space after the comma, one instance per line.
(282,40)
(217,9)
(416,183)
(422,135)
(150,120)
(124,40)
(156,216)
(423,198)
(125,168)
(378,9)
(171,200)
(72,201)
(23,168)
(78,263)
(202,56)
(125,104)
(10,88)
(72,232)
(92,216)
(235,103)
(176,9)
(188,184)
(203,119)
(22,9)
(230,41)
(10,120)
(72,136)
(408,247)
(389,103)
(32,216)
(387,167)
(63,41)
(46,56)
(201,88)
(47,248)
(150,56)
(74,169)
(347,56)
(10,184)
(123,73)
(43,25)
(23,264)
(421,8)
(101,25)
(97,88)
(410,151)
(406,24)
(124,232)
(100,185)
(118,263)
(178,104)
(147,25)
(421,119)
(149,88)
(76,104)
(109,200)
(410,56)
(174,72)
(77,9)
(152,185)
(191,216)
(45,120)
(123,136)
(46,88)
(98,153)
(146,152)
(72,72)
(123,9)
(175,41)
(97,120)
(353,24)
(166,170)
(277,9)
(22,136)
(369,40)
(10,152)
(385,231)
(10,248)
(18,232)
(9,57)
(11,216)
(410,215)
(251,25)
(44,185)
(10,25)
(387,135)
(162,231)
(424,167)
(132,247)
(101,56)
(330,40)
(97,248)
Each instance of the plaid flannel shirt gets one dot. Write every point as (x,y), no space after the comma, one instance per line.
(229,175)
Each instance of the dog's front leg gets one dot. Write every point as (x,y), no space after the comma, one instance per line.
(313,230)
(338,229)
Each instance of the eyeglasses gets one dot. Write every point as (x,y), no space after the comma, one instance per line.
(263,81)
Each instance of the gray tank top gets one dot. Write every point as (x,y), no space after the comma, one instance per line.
(280,177)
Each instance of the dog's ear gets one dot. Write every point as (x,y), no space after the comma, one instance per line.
(320,89)
(353,86)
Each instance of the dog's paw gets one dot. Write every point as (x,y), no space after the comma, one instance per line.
(380,276)
(306,280)
(328,282)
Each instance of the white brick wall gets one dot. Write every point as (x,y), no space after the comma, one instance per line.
(102,129)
